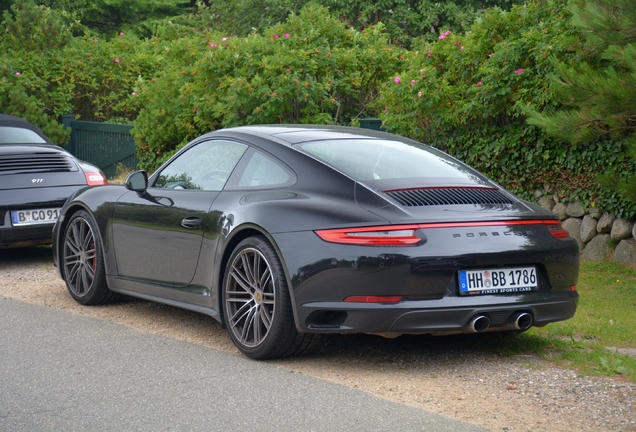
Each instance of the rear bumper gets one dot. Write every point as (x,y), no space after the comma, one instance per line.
(33,235)
(322,275)
(24,199)
(444,316)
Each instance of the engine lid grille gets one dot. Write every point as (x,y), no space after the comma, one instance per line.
(25,163)
(448,196)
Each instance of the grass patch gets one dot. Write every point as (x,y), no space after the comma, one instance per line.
(121,172)
(592,341)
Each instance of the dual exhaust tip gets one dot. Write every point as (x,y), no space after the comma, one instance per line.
(517,321)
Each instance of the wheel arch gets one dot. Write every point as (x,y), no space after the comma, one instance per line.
(69,212)
(237,235)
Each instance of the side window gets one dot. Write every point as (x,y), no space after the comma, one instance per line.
(206,166)
(263,171)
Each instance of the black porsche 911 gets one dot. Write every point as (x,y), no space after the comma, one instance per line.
(36,177)
(283,233)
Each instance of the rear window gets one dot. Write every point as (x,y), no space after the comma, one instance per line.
(369,159)
(14,135)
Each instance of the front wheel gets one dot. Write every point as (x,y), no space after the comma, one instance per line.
(258,310)
(82,261)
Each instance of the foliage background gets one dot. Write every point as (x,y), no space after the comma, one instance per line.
(460,75)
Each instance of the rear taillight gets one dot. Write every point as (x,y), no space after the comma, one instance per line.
(95,178)
(404,235)
(556,229)
(398,235)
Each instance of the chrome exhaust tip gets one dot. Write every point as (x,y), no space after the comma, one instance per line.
(478,324)
(520,321)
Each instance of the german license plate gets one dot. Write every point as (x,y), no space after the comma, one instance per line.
(498,281)
(34,217)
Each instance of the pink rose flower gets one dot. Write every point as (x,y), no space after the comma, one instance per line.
(412,83)
(18,73)
(397,80)
(478,84)
(430,54)
(275,36)
(223,39)
(213,45)
(462,47)
(519,71)
(419,94)
(286,35)
(117,60)
(121,33)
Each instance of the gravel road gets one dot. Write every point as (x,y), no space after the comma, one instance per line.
(520,393)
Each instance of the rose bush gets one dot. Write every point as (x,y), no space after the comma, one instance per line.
(309,69)
(466,93)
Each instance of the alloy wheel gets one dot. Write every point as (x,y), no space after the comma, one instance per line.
(250,296)
(80,257)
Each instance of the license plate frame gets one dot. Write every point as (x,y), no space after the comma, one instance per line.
(507,280)
(42,216)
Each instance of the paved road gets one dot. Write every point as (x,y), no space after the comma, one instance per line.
(65,372)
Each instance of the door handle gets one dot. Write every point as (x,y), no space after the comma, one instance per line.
(191,222)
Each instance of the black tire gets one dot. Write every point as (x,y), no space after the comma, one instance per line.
(258,310)
(82,261)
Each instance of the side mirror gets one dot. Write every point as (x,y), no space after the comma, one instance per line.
(137,181)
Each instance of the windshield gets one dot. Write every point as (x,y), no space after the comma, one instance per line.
(371,159)
(14,135)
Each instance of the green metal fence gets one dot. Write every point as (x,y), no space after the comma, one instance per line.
(103,144)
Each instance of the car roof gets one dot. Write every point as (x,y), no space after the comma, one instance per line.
(294,134)
(13,121)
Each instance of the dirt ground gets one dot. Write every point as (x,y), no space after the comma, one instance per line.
(520,393)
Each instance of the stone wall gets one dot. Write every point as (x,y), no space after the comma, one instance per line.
(599,234)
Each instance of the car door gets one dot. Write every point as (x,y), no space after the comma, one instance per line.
(157,235)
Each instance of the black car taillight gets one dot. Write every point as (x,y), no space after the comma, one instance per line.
(392,235)
(404,235)
(556,229)
(95,178)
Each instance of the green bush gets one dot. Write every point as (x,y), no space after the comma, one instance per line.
(309,69)
(31,79)
(466,94)
(405,20)
(103,75)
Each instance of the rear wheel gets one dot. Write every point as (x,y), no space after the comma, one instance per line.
(258,309)
(83,261)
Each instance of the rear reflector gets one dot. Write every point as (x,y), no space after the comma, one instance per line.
(556,229)
(404,235)
(373,299)
(572,288)
(95,179)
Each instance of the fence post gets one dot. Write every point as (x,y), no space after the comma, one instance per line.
(66,120)
(372,123)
